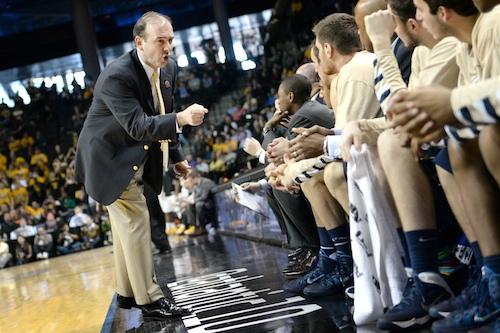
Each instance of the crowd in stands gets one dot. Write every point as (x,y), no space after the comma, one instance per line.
(41,206)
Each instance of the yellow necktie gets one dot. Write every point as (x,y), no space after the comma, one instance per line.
(161,106)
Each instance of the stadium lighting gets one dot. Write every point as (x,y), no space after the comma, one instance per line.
(248,65)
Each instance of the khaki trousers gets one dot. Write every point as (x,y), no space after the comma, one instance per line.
(134,270)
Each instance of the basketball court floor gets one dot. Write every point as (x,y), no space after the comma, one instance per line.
(234,285)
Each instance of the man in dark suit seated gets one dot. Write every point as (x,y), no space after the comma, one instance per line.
(127,137)
(293,100)
(201,214)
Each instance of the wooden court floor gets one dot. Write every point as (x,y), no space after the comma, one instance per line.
(71,293)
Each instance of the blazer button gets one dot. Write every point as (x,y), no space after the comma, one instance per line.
(146,147)
(135,167)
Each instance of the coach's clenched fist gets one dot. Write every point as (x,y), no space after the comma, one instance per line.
(193,115)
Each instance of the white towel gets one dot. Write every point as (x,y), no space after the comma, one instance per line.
(379,275)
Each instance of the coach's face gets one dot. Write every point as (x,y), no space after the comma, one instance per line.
(157,43)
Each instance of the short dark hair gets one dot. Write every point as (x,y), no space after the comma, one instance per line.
(299,85)
(142,22)
(461,7)
(404,9)
(339,30)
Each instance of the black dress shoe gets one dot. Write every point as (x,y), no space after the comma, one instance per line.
(165,250)
(301,267)
(126,302)
(163,309)
(297,259)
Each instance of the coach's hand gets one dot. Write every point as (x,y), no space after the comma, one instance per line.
(193,115)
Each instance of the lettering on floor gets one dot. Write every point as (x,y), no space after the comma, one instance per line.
(222,302)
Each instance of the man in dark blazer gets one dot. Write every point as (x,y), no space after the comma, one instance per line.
(293,98)
(126,139)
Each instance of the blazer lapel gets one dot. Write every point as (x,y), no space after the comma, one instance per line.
(144,83)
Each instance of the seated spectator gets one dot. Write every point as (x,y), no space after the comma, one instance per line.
(201,213)
(79,219)
(35,211)
(39,158)
(217,165)
(19,194)
(24,251)
(91,234)
(201,165)
(24,229)
(5,194)
(5,255)
(43,244)
(207,81)
(51,222)
(67,241)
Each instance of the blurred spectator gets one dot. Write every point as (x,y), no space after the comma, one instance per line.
(67,242)
(43,244)
(5,255)
(24,229)
(201,165)
(24,251)
(91,235)
(80,219)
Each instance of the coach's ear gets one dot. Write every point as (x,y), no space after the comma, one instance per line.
(138,41)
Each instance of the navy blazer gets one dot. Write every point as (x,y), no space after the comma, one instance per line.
(122,130)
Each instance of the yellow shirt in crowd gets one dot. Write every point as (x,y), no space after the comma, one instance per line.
(5,196)
(20,195)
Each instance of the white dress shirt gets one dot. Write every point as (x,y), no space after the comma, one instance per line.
(149,72)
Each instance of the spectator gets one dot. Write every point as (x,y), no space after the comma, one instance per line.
(5,255)
(201,166)
(201,214)
(24,251)
(91,235)
(43,244)
(67,241)
(79,219)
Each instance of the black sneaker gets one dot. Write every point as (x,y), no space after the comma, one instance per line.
(163,309)
(335,281)
(486,309)
(412,312)
(320,269)
(462,301)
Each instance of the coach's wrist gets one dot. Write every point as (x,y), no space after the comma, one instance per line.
(180,119)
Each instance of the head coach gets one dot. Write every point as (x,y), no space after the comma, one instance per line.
(127,138)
